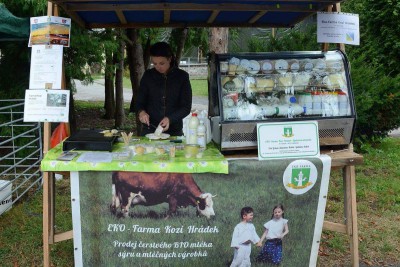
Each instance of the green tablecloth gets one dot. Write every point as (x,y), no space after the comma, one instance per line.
(212,161)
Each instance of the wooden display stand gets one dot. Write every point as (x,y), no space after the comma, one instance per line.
(344,160)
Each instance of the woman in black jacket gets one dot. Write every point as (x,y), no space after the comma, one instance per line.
(165,94)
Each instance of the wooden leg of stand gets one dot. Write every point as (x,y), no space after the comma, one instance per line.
(48,216)
(349,177)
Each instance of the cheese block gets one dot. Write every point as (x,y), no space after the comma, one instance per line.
(336,81)
(264,84)
(285,81)
(239,83)
(159,150)
(139,150)
(232,65)
(301,79)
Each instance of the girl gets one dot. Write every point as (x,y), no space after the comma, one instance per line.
(275,230)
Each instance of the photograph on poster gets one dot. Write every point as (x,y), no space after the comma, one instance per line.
(189,219)
(56,100)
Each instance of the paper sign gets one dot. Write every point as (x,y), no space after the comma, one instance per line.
(46,106)
(287,140)
(46,67)
(50,30)
(338,28)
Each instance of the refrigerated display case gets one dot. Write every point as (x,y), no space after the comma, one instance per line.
(250,88)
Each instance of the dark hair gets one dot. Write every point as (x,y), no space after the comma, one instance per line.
(280,206)
(162,49)
(245,211)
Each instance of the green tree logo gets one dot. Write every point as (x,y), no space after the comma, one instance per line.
(300,177)
(288,131)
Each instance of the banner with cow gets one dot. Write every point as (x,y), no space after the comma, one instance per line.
(182,219)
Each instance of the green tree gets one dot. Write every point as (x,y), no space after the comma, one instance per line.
(379,33)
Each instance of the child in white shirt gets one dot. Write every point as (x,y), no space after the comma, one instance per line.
(243,235)
(275,230)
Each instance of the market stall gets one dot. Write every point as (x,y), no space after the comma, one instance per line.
(95,185)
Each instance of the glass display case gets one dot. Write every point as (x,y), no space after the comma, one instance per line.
(245,89)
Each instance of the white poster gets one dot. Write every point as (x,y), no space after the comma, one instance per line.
(46,106)
(338,28)
(46,67)
(288,140)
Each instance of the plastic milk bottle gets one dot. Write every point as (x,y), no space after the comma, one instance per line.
(192,129)
(201,134)
(343,103)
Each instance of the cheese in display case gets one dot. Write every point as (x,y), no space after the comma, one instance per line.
(250,88)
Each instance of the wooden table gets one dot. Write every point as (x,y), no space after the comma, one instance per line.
(344,160)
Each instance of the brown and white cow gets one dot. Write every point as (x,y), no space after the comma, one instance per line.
(148,189)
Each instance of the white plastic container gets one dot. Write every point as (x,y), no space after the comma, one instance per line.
(343,103)
(317,103)
(201,135)
(204,117)
(5,192)
(308,104)
(192,129)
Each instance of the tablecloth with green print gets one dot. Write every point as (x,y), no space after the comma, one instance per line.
(212,161)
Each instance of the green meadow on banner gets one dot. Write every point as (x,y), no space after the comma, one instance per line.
(171,219)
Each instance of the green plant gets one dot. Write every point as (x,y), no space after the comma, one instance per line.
(377,98)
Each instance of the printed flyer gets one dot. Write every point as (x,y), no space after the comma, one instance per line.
(182,219)
(49,30)
(46,105)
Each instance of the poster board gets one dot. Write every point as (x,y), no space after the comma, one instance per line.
(46,67)
(46,105)
(341,28)
(103,237)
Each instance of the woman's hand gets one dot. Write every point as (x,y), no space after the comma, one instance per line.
(144,117)
(165,124)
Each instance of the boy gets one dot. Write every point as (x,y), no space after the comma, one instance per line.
(243,235)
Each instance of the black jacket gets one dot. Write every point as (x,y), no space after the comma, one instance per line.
(162,96)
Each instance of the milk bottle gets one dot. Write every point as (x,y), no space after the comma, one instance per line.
(192,129)
(201,135)
(343,103)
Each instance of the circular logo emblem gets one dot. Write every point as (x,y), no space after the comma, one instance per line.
(300,176)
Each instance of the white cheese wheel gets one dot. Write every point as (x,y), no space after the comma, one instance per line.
(281,66)
(267,66)
(254,67)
